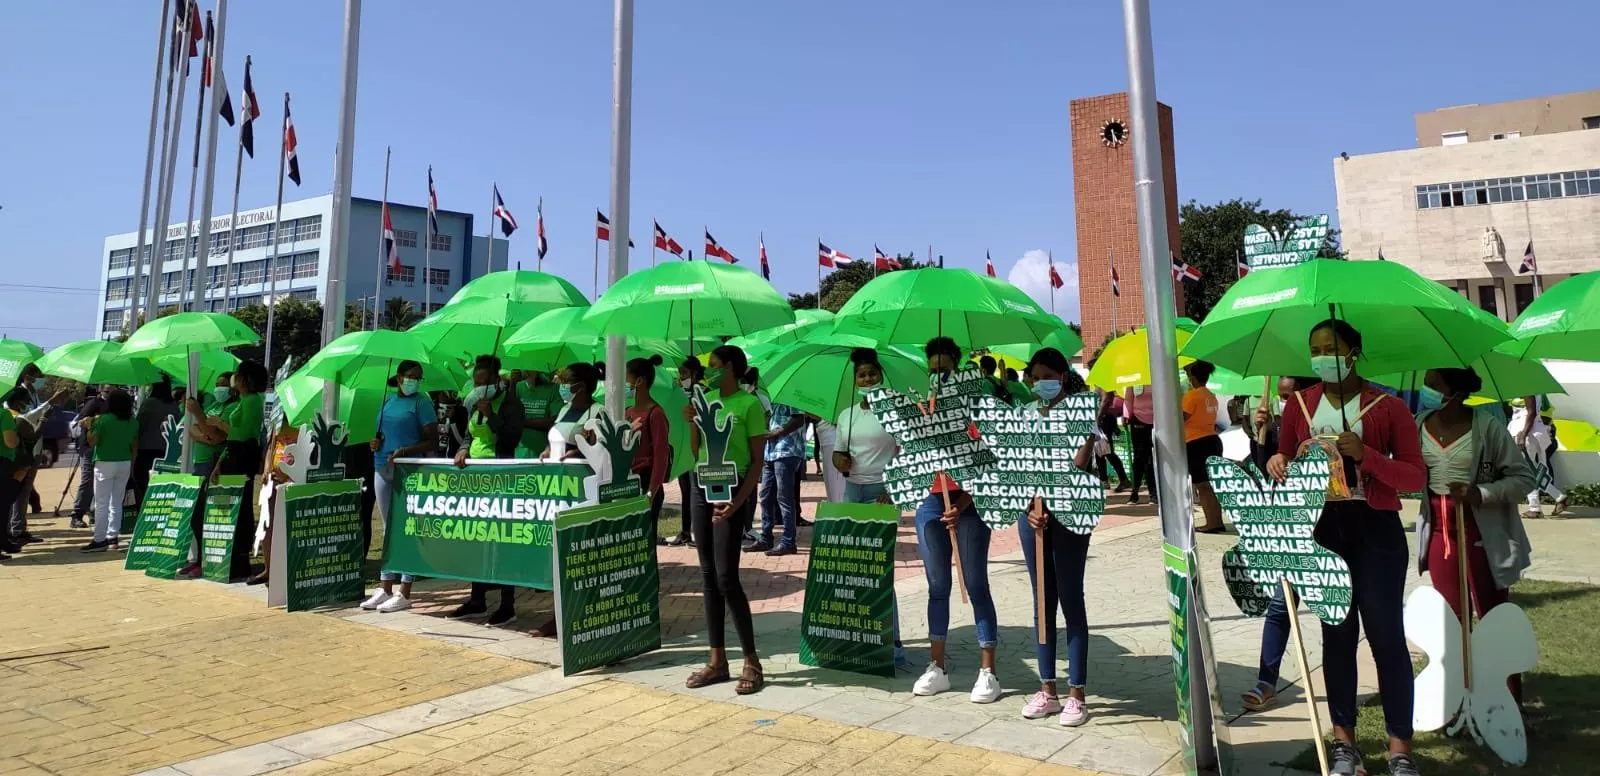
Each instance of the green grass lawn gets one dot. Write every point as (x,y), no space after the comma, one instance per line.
(1562,698)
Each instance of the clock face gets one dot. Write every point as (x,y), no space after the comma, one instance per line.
(1114,133)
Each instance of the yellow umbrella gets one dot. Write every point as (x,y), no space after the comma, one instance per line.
(1125,362)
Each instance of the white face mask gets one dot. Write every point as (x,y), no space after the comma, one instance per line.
(408,387)
(686,383)
(1332,369)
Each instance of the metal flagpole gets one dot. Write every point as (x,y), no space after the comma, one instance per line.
(1052,259)
(427,239)
(162,42)
(233,220)
(277,216)
(383,252)
(596,266)
(1159,306)
(209,190)
(194,179)
(339,233)
(1113,260)
(621,152)
(819,274)
(488,256)
(652,248)
(169,166)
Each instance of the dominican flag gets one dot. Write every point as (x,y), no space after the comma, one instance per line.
(195,32)
(882,260)
(249,111)
(433,203)
(665,242)
(508,222)
(544,245)
(829,257)
(1184,272)
(714,248)
(1055,277)
(1244,267)
(988,265)
(766,271)
(391,249)
(290,142)
(205,64)
(1116,282)
(602,228)
(1529,263)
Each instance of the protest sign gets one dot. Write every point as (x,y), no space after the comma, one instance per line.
(719,477)
(160,541)
(847,621)
(935,434)
(1035,459)
(608,598)
(217,526)
(611,457)
(316,552)
(1270,249)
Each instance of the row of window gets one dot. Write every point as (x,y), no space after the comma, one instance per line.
(294,266)
(1522,296)
(1490,191)
(300,229)
(407,238)
(407,275)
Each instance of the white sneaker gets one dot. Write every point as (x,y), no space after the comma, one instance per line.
(932,682)
(377,599)
(987,688)
(396,603)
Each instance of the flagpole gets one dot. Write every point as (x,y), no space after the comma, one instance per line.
(169,167)
(621,161)
(1118,290)
(149,164)
(233,220)
(652,248)
(819,273)
(539,243)
(488,258)
(383,251)
(596,266)
(208,191)
(277,216)
(333,318)
(1052,259)
(427,238)
(184,302)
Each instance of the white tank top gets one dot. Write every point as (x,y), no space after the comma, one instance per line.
(1447,463)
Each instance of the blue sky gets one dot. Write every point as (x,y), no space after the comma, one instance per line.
(892,122)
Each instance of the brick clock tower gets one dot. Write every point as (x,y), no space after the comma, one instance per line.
(1108,229)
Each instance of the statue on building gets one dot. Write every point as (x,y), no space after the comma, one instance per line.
(1494,248)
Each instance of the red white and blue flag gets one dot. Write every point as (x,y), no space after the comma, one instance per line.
(1116,282)
(391,248)
(665,242)
(195,32)
(714,248)
(508,222)
(249,111)
(766,271)
(602,228)
(988,264)
(829,257)
(1055,277)
(433,203)
(290,143)
(883,261)
(1183,271)
(1529,262)
(544,245)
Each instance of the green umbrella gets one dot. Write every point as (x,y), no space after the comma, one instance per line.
(98,361)
(817,376)
(1262,325)
(1064,339)
(805,322)
(1185,323)
(1226,382)
(524,286)
(212,364)
(300,396)
(189,333)
(1561,323)
(914,306)
(557,338)
(1505,377)
(1125,361)
(682,300)
(476,326)
(14,355)
(364,351)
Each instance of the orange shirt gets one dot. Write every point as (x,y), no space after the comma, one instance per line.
(1200,405)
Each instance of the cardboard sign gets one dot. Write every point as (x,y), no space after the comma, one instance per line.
(847,619)
(935,435)
(611,457)
(718,476)
(1035,455)
(217,525)
(608,599)
(316,554)
(1269,249)
(160,542)
(171,460)
(1275,524)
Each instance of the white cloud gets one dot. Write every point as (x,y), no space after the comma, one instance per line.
(1031,273)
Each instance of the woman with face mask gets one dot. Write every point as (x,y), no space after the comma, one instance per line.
(690,373)
(208,434)
(1201,441)
(575,385)
(652,453)
(1377,438)
(244,425)
(408,427)
(1066,555)
(934,520)
(494,426)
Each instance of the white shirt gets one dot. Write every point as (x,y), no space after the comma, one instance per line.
(870,447)
(1325,420)
(1447,464)
(562,431)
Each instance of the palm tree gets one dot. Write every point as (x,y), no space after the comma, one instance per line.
(399,314)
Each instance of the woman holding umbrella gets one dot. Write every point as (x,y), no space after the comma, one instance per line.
(717,527)
(407,426)
(652,454)
(1377,440)
(209,434)
(243,426)
(494,424)
(690,373)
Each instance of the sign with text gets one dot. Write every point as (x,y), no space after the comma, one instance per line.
(935,434)
(160,542)
(1269,249)
(611,457)
(492,521)
(1275,524)
(1035,452)
(316,553)
(217,526)
(718,476)
(608,598)
(847,622)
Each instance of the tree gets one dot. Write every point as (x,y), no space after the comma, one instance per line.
(1212,240)
(398,314)
(355,317)
(841,283)
(296,330)
(805,301)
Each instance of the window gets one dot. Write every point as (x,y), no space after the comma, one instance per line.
(111,322)
(1486,300)
(170,283)
(243,301)
(1512,135)
(248,273)
(1577,183)
(407,275)
(439,242)
(283,268)
(214,279)
(286,232)
(308,228)
(1453,138)
(407,238)
(121,259)
(117,289)
(171,250)
(1591,122)
(305,294)
(255,237)
(435,307)
(438,277)
(215,305)
(1524,293)
(219,242)
(305,265)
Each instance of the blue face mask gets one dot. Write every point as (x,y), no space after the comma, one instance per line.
(1429,399)
(566,393)
(38,384)
(629,393)
(1047,389)
(221,394)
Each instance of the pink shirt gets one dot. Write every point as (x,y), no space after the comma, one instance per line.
(1140,406)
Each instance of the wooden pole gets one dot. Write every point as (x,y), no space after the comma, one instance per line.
(1466,595)
(1305,676)
(1038,570)
(955,547)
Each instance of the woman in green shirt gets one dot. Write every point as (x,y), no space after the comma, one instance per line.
(243,424)
(10,488)
(115,437)
(717,527)
(494,425)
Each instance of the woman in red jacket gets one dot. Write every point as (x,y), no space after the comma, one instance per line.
(1376,438)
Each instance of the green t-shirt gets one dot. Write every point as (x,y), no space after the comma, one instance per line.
(116,438)
(245,417)
(1019,392)
(478,429)
(202,451)
(542,401)
(749,420)
(7,423)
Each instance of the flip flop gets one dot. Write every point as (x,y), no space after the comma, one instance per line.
(1259,699)
(706,676)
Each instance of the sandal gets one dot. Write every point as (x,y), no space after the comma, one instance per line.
(1561,508)
(1259,699)
(707,676)
(1217,530)
(751,680)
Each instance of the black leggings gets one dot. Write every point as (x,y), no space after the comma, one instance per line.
(1144,461)
(719,547)
(686,490)
(480,592)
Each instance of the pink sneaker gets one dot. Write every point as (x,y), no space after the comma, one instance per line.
(1073,712)
(1041,705)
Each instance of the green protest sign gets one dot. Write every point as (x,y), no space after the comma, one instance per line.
(316,555)
(718,475)
(171,460)
(611,457)
(1269,249)
(935,435)
(847,619)
(1035,455)
(1275,525)
(217,526)
(608,600)
(490,522)
(156,535)
(1178,573)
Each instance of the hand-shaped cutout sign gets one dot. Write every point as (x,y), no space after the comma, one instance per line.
(935,435)
(1275,525)
(1502,645)
(611,457)
(719,477)
(1036,459)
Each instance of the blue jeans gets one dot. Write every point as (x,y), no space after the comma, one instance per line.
(1065,556)
(863,493)
(780,498)
(972,541)
(382,490)
(1274,640)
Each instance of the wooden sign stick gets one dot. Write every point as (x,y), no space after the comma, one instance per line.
(1305,676)
(1038,570)
(955,546)
(1466,595)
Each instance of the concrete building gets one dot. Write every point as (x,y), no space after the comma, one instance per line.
(1107,222)
(1483,184)
(458,255)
